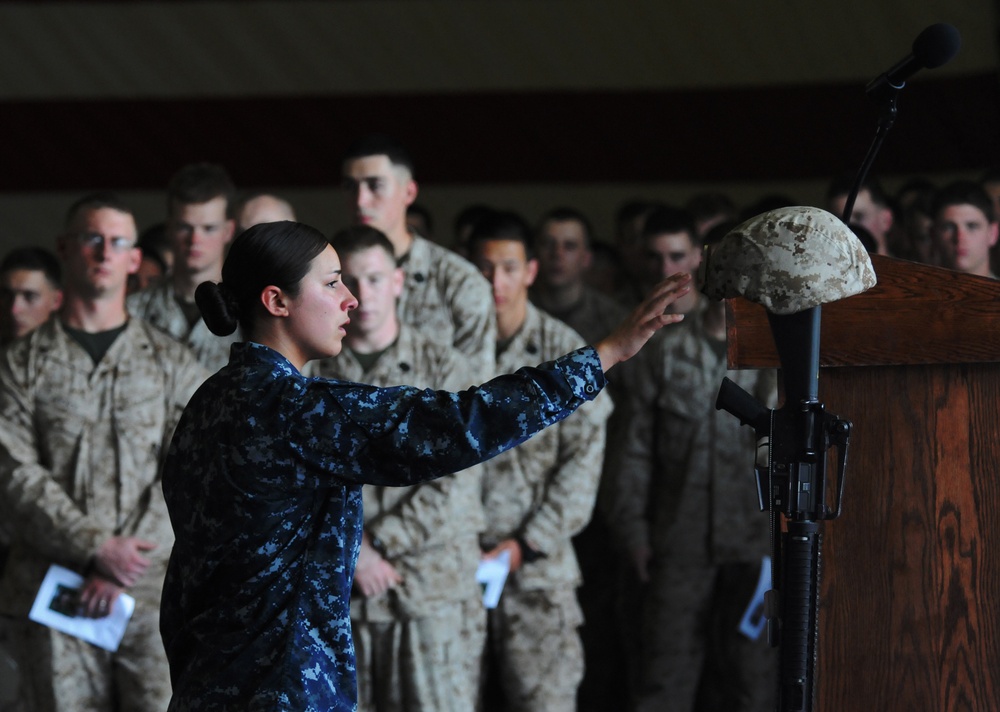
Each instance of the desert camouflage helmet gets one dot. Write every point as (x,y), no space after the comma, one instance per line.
(788,260)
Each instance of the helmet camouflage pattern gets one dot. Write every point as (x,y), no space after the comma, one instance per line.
(788,260)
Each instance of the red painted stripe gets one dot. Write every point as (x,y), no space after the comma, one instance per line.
(745,134)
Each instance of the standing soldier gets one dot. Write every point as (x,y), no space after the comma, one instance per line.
(684,507)
(88,402)
(538,495)
(30,291)
(443,295)
(419,625)
(564,243)
(200,227)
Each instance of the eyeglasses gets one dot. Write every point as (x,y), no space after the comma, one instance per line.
(93,240)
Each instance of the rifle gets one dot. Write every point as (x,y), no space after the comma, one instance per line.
(793,483)
(799,435)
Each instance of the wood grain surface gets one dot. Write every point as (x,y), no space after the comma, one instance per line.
(910,591)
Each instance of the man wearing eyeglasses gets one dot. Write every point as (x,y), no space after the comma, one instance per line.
(88,402)
(200,227)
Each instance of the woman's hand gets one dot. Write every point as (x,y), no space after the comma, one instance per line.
(645,320)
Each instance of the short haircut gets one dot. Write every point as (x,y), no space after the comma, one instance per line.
(767,203)
(376,144)
(33,259)
(151,253)
(198,183)
(563,214)
(96,201)
(423,212)
(155,238)
(963,192)
(717,232)
(358,238)
(469,215)
(667,219)
(916,184)
(843,184)
(244,197)
(502,225)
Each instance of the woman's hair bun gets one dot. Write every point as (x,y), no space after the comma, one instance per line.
(218,307)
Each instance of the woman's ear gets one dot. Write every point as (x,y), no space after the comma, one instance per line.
(274,300)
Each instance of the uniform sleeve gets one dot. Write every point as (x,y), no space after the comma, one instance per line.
(431,508)
(475,325)
(42,510)
(568,502)
(152,521)
(405,436)
(625,499)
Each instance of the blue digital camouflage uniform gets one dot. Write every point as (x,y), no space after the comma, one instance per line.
(263,484)
(419,645)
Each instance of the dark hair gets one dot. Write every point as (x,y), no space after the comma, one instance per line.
(864,236)
(717,232)
(502,225)
(767,203)
(33,259)
(424,213)
(667,220)
(563,214)
(199,183)
(96,201)
(963,192)
(277,253)
(844,183)
(468,217)
(376,144)
(154,241)
(356,238)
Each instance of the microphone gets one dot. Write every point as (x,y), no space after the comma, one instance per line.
(935,46)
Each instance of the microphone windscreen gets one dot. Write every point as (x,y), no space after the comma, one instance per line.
(937,45)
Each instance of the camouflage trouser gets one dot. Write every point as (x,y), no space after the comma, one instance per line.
(61,673)
(422,664)
(695,658)
(536,649)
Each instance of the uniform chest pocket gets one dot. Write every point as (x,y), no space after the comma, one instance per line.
(683,396)
(139,414)
(680,414)
(61,420)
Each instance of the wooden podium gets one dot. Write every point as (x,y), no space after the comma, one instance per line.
(909,616)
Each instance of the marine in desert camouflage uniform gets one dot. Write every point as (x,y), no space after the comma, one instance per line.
(418,622)
(536,496)
(563,245)
(443,296)
(684,505)
(200,227)
(88,402)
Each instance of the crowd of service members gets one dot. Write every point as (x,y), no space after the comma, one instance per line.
(631,528)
